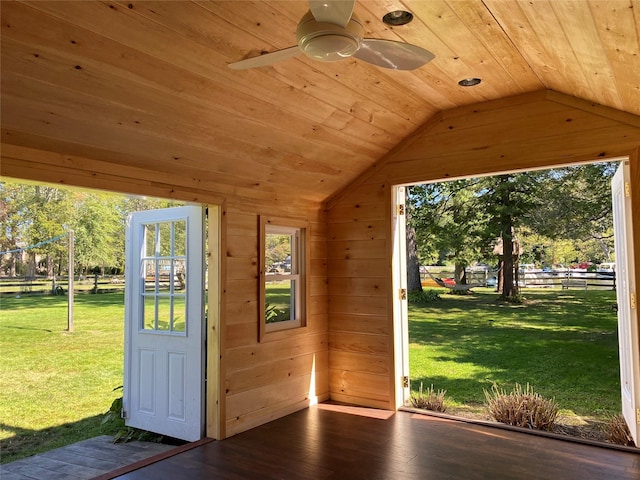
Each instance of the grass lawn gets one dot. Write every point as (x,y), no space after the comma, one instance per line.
(278,298)
(562,342)
(55,385)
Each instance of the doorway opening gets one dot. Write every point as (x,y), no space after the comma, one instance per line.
(473,341)
(62,395)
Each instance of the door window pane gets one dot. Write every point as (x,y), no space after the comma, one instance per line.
(164,271)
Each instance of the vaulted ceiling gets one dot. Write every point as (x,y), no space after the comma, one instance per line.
(146,84)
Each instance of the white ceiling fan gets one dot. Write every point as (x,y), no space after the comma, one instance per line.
(331,31)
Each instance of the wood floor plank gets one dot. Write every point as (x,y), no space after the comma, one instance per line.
(325,443)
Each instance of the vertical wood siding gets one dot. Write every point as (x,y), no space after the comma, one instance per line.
(525,132)
(268,379)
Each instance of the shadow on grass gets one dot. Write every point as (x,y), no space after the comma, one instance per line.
(563,344)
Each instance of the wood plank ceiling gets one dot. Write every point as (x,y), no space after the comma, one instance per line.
(146,84)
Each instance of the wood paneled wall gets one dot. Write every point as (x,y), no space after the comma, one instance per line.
(346,352)
(255,382)
(524,132)
(268,379)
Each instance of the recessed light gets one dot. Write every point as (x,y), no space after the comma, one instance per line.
(397,18)
(469,82)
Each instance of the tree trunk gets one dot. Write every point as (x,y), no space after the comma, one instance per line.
(507,263)
(414,283)
(50,266)
(460,274)
(509,288)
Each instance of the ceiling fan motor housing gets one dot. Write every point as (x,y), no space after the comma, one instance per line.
(329,42)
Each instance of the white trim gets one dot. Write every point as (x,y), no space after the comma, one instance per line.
(400,309)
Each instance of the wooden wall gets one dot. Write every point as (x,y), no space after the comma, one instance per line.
(524,132)
(346,352)
(266,380)
(249,383)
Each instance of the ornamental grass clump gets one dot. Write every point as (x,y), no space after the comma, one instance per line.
(618,432)
(522,408)
(429,399)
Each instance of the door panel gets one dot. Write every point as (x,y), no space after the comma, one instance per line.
(164,328)
(626,291)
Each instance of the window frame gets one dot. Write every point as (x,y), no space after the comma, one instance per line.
(299,229)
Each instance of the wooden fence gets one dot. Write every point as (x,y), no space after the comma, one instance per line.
(568,279)
(562,279)
(48,286)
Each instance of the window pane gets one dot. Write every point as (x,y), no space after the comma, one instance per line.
(278,253)
(164,274)
(149,313)
(164,313)
(180,238)
(150,239)
(164,271)
(180,274)
(179,314)
(278,301)
(149,269)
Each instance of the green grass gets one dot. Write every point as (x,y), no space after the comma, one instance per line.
(278,298)
(563,343)
(55,385)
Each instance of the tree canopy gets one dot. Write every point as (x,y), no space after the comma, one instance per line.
(33,214)
(561,215)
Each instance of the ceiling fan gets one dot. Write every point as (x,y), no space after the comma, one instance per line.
(331,31)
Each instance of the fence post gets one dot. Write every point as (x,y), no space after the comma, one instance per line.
(70,286)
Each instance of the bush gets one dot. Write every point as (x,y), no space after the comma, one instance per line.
(618,432)
(423,297)
(522,408)
(429,400)
(112,423)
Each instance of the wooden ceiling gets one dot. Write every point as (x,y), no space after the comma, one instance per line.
(147,84)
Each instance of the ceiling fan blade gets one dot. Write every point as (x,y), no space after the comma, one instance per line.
(266,59)
(393,55)
(337,12)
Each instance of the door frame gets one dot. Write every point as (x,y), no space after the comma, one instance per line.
(214,333)
(401,346)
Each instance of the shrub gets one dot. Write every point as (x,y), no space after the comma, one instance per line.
(423,297)
(522,408)
(429,400)
(618,432)
(113,423)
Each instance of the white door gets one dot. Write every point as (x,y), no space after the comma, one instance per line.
(626,296)
(164,339)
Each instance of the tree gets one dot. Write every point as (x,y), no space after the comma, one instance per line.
(98,231)
(13,222)
(34,214)
(507,200)
(565,211)
(447,224)
(578,207)
(48,213)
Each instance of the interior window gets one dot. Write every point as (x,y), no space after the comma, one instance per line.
(283,275)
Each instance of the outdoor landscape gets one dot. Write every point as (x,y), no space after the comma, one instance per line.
(561,342)
(561,339)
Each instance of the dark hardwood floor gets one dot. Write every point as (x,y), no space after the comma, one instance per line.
(335,442)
